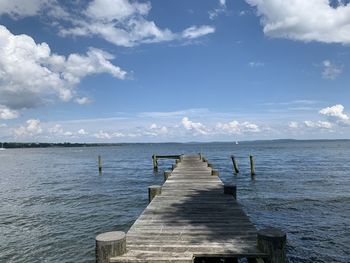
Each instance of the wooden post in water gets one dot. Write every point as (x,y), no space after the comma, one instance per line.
(215,172)
(99,163)
(230,189)
(252,168)
(235,166)
(210,165)
(166,175)
(110,244)
(153,190)
(155,162)
(273,241)
(173,166)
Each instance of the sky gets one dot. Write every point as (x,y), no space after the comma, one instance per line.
(174,71)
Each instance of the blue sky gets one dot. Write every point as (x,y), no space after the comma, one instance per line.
(185,70)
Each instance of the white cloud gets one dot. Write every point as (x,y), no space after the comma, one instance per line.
(194,31)
(124,23)
(32,128)
(155,130)
(255,64)
(21,8)
(193,126)
(221,9)
(82,132)
(311,20)
(236,127)
(103,135)
(336,114)
(318,124)
(293,125)
(330,70)
(83,100)
(30,75)
(7,114)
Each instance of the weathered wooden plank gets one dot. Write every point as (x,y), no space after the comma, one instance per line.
(192,217)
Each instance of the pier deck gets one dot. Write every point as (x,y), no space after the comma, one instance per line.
(191,218)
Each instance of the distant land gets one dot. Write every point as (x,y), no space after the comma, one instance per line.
(11,145)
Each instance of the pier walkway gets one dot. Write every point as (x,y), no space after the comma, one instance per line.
(191,218)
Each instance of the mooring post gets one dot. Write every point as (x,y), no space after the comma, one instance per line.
(230,189)
(166,175)
(215,172)
(155,162)
(99,163)
(273,241)
(252,168)
(210,165)
(200,156)
(173,166)
(110,244)
(153,190)
(235,166)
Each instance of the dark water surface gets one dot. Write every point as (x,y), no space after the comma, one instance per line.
(53,202)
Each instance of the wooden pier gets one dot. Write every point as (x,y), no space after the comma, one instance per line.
(195,218)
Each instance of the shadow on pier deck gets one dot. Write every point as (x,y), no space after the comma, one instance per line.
(192,220)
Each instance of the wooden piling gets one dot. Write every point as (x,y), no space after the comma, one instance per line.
(155,162)
(166,175)
(235,166)
(110,244)
(215,172)
(99,160)
(173,166)
(273,241)
(252,167)
(210,165)
(230,189)
(153,190)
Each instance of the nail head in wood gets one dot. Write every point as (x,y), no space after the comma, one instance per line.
(110,244)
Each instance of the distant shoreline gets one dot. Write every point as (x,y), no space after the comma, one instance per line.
(16,145)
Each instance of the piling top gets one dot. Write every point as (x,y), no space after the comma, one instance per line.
(110,236)
(154,186)
(272,233)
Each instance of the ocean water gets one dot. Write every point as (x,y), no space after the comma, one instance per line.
(53,202)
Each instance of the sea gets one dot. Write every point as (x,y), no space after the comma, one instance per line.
(53,201)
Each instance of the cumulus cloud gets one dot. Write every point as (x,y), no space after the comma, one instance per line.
(330,70)
(155,130)
(103,135)
(236,127)
(336,114)
(83,100)
(20,8)
(312,20)
(318,124)
(32,128)
(124,23)
(30,75)
(197,127)
(293,125)
(7,114)
(221,9)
